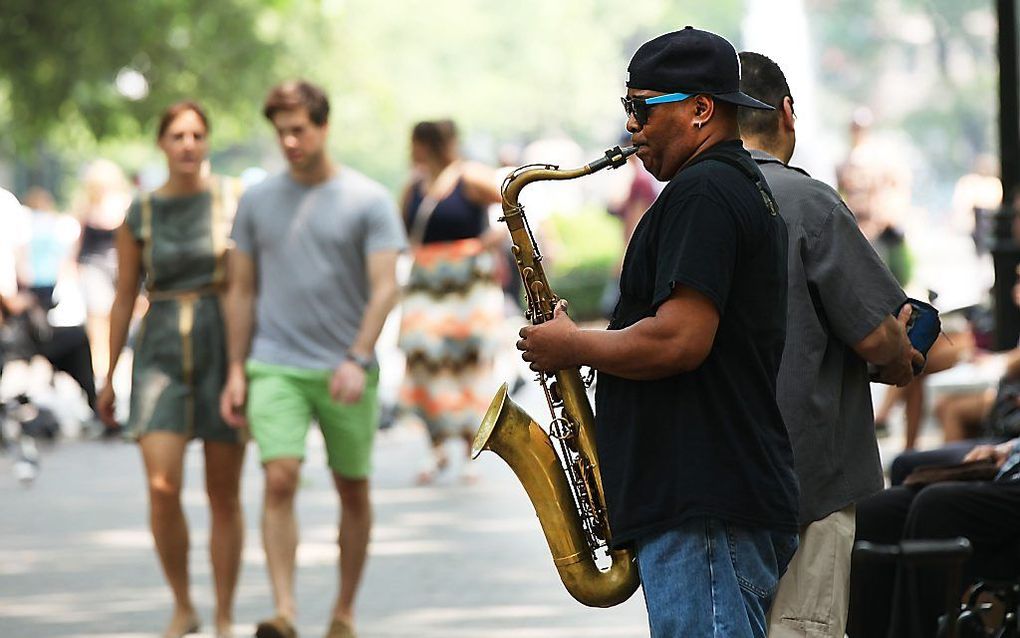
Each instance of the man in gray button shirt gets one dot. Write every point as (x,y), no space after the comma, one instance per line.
(842,315)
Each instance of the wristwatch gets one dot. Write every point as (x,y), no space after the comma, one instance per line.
(364,362)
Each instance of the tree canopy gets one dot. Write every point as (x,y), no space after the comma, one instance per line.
(79,77)
(108,67)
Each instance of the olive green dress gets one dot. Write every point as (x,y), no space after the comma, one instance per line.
(180,349)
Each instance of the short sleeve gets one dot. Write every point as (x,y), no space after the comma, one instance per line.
(14,221)
(384,228)
(697,248)
(133,218)
(856,289)
(242,234)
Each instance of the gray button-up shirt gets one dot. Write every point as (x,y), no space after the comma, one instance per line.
(839,292)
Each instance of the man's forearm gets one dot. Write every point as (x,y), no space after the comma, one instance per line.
(380,303)
(239,318)
(884,344)
(639,352)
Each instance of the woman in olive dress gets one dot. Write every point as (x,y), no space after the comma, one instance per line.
(174,241)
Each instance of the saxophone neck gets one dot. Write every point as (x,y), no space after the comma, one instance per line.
(517,180)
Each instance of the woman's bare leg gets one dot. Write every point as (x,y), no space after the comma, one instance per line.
(163,453)
(223,464)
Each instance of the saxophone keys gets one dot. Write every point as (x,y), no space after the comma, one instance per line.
(554,393)
(561,429)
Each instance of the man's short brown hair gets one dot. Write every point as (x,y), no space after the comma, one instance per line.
(298,94)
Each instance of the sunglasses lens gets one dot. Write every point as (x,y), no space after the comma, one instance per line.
(641,112)
(636,108)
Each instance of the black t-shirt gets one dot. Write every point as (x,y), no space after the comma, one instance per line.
(710,442)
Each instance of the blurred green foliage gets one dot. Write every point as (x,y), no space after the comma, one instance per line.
(78,71)
(587,246)
(926,68)
(503,71)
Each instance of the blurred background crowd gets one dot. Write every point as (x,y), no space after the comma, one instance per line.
(897,103)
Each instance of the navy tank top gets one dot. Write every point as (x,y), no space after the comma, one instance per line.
(454,217)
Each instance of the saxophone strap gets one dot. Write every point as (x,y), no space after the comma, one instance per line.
(754,176)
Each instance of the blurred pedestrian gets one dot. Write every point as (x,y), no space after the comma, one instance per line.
(840,317)
(47,275)
(17,227)
(636,195)
(875,181)
(452,306)
(313,278)
(175,239)
(977,197)
(48,258)
(102,199)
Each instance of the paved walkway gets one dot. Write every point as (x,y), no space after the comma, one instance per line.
(450,560)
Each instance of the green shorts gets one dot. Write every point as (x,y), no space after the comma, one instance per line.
(282,401)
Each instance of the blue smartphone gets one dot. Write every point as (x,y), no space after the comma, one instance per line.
(923,327)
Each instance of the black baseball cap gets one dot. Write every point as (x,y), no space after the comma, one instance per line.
(690,61)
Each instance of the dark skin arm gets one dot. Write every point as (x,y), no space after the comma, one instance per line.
(888,347)
(676,339)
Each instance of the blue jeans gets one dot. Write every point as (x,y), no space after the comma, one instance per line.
(711,579)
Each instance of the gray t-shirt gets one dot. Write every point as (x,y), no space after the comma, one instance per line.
(839,292)
(310,245)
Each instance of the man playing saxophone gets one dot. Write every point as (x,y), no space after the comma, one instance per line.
(696,464)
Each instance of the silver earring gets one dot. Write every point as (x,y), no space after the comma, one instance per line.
(698,124)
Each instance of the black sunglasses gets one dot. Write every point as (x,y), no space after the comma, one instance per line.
(639,108)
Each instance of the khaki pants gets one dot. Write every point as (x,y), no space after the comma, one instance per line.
(813,594)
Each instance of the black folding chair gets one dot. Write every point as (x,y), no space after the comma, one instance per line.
(948,554)
(991,608)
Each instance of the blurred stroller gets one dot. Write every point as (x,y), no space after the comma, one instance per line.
(22,425)
(24,335)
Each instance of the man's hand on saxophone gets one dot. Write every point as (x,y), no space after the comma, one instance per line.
(551,345)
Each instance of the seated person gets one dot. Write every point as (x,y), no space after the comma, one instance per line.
(985,512)
(963,416)
(996,414)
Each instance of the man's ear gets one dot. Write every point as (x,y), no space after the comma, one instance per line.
(788,117)
(704,108)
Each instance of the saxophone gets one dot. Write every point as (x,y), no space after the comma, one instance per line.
(565,488)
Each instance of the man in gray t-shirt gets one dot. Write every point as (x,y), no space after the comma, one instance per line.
(313,277)
(844,311)
(309,244)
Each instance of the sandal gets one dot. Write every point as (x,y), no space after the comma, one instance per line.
(277,627)
(340,629)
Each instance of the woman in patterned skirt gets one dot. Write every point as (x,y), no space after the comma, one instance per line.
(174,240)
(452,306)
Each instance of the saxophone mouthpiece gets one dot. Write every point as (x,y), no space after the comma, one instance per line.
(613,158)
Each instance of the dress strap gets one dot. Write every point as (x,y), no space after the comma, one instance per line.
(147,262)
(219,240)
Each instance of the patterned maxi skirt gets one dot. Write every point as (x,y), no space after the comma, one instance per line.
(452,312)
